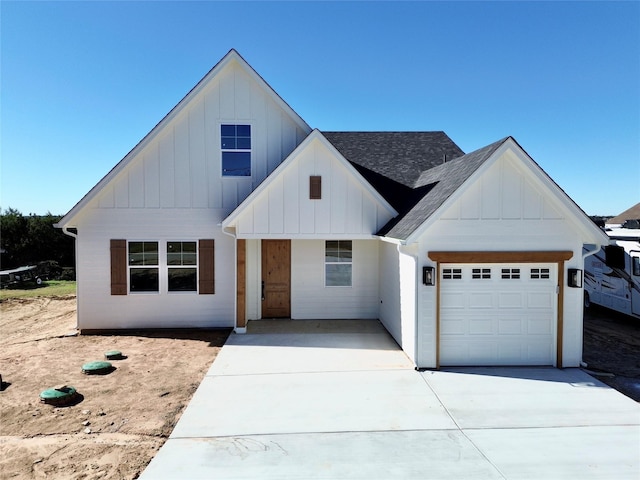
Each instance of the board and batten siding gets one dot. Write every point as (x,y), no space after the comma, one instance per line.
(398,295)
(180,167)
(99,309)
(310,299)
(284,208)
(505,209)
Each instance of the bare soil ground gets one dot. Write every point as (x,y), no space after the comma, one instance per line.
(611,349)
(122,418)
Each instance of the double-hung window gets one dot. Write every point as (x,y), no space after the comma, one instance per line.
(338,263)
(182,267)
(143,267)
(236,150)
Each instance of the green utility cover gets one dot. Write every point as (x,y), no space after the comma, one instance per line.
(95,367)
(57,393)
(113,355)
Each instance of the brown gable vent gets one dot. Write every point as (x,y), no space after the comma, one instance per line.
(315,187)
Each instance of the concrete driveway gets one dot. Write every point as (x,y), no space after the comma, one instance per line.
(339,400)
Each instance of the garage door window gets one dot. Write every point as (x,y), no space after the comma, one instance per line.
(539,273)
(452,274)
(481,274)
(510,273)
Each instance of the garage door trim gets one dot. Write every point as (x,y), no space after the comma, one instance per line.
(558,257)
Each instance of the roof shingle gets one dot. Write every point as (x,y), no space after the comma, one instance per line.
(415,171)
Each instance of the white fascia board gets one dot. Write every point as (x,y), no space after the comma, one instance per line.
(231,56)
(314,135)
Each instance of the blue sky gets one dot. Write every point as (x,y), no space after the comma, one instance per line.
(83,82)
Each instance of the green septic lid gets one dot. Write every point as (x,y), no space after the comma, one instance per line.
(97,367)
(58,395)
(113,355)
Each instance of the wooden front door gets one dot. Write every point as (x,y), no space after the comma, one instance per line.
(276,278)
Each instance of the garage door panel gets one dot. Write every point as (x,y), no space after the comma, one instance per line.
(540,300)
(453,300)
(510,300)
(481,300)
(539,326)
(510,326)
(479,326)
(498,314)
(454,327)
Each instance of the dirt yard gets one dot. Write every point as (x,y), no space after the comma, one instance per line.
(122,419)
(611,348)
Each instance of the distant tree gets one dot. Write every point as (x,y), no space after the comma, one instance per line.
(33,239)
(13,237)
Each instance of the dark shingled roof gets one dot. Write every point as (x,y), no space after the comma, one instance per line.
(438,184)
(414,171)
(399,156)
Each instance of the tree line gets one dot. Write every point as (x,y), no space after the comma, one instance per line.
(33,240)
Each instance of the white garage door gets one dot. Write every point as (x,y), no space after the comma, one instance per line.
(498,314)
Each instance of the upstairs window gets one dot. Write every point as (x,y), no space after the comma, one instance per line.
(143,267)
(235,142)
(338,263)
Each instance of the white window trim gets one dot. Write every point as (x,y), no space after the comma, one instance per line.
(222,150)
(163,268)
(130,267)
(169,267)
(337,263)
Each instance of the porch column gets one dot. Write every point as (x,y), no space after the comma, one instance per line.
(241,286)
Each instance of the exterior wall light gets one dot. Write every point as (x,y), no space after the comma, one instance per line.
(574,278)
(428,276)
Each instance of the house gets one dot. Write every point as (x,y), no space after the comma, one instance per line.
(234,209)
(631,214)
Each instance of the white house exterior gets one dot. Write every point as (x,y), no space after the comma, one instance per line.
(233,209)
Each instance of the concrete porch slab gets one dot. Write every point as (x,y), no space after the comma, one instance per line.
(290,346)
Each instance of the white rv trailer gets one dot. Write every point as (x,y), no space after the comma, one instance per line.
(612,275)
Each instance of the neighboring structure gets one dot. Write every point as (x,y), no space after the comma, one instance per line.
(632,214)
(233,209)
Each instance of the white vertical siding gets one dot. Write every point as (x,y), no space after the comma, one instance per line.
(390,311)
(310,299)
(181,167)
(101,310)
(408,302)
(283,208)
